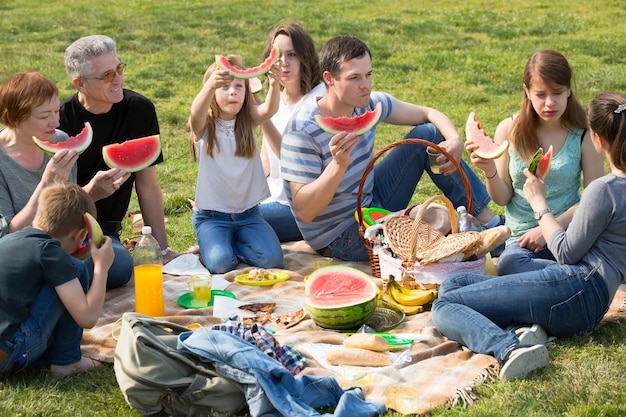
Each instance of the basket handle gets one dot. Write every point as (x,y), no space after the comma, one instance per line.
(408,141)
(418,218)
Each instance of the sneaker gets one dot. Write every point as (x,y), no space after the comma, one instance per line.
(523,360)
(534,335)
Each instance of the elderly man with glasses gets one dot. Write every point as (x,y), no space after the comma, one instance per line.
(116,114)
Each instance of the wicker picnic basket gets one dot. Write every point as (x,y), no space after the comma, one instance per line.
(413,240)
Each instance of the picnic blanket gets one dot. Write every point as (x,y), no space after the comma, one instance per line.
(432,372)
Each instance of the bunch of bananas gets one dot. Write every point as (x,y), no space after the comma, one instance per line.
(411,301)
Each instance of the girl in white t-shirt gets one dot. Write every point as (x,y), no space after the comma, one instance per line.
(301,78)
(231,182)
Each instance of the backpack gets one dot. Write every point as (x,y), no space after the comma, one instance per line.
(154,376)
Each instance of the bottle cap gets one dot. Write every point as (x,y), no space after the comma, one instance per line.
(146,230)
(461,208)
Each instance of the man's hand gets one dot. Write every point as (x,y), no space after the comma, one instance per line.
(105,183)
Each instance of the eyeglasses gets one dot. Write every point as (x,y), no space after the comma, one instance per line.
(109,76)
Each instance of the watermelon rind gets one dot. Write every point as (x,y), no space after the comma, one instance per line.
(534,162)
(260,69)
(340,297)
(94,232)
(78,143)
(357,124)
(487,148)
(132,155)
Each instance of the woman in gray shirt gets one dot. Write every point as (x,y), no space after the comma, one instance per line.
(29,106)
(567,297)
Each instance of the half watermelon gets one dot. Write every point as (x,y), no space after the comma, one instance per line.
(357,124)
(487,148)
(340,297)
(78,143)
(260,69)
(132,155)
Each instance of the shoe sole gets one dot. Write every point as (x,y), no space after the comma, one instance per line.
(534,335)
(524,362)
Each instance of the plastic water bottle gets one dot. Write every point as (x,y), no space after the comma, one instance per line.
(467,222)
(148,271)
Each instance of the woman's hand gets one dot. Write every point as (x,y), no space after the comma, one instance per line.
(59,167)
(535,191)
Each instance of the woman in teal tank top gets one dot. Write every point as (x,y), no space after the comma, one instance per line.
(550,115)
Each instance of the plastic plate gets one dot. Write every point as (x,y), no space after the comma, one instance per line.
(186,300)
(278,277)
(385,317)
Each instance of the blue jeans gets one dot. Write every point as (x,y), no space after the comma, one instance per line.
(270,389)
(280,217)
(516,259)
(49,335)
(475,310)
(121,270)
(226,238)
(396,177)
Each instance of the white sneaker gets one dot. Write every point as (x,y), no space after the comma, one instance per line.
(534,335)
(524,360)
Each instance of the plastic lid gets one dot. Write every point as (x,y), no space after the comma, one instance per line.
(146,230)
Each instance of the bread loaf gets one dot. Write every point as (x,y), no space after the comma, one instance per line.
(341,355)
(367,341)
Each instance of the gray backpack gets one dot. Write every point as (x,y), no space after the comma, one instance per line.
(154,376)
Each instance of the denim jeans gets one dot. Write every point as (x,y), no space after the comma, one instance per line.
(121,270)
(516,259)
(49,335)
(280,217)
(396,177)
(475,310)
(226,238)
(270,389)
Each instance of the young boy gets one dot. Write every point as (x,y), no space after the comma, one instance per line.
(45,299)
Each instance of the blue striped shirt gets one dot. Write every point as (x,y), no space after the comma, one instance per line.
(304,155)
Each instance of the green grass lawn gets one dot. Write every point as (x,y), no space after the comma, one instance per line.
(456,56)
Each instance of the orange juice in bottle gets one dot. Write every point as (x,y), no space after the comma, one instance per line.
(148,275)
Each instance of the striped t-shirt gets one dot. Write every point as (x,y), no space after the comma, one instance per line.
(305,153)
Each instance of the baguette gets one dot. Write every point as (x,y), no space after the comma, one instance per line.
(367,341)
(341,355)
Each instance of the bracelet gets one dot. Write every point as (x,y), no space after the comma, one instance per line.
(493,176)
(166,251)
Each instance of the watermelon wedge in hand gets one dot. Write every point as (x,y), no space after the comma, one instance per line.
(357,124)
(132,155)
(540,164)
(486,147)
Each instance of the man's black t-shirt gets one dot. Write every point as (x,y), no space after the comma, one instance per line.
(134,117)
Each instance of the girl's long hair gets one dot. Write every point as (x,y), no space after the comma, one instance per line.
(244,132)
(553,69)
(304,47)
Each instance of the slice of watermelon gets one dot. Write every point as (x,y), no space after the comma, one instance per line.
(78,143)
(260,69)
(133,155)
(534,162)
(544,164)
(358,124)
(94,232)
(487,148)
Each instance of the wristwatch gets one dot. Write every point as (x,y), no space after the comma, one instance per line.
(539,214)
(166,251)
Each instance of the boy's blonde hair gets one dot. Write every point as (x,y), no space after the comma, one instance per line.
(61,209)
(244,131)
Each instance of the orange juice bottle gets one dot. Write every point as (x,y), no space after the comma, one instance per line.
(148,275)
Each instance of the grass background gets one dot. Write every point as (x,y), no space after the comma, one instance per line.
(456,56)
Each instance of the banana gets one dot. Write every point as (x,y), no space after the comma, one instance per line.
(408,310)
(409,297)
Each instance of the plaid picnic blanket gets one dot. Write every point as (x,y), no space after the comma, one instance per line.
(433,372)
